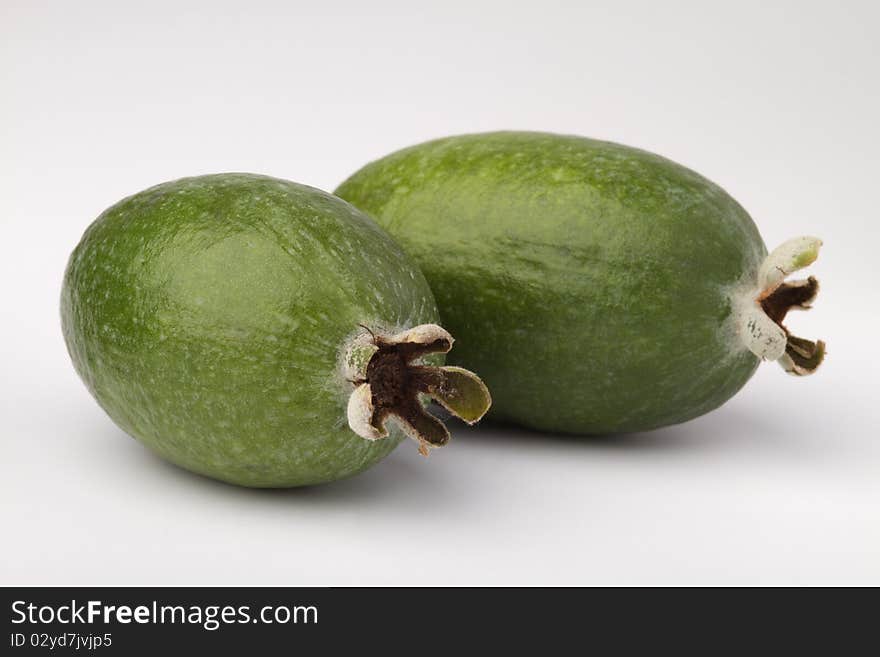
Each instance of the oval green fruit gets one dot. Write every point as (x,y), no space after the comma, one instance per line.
(234,322)
(597,288)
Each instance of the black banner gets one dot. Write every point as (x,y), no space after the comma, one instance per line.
(230,620)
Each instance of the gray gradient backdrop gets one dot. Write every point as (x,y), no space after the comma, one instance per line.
(776,101)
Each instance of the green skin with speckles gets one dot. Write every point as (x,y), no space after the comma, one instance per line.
(208,315)
(589,283)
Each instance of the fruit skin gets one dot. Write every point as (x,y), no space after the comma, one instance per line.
(589,283)
(207,316)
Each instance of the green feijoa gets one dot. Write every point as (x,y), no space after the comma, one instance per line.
(596,288)
(258,331)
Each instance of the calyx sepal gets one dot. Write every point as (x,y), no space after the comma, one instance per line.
(391,382)
(761,326)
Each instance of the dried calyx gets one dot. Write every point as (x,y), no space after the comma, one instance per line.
(391,381)
(765,310)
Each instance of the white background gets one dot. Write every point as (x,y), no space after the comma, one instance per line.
(779,102)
